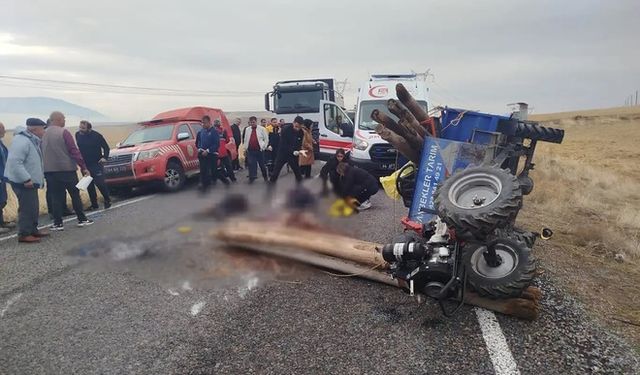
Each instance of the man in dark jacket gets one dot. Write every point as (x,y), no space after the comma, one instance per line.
(95,152)
(272,148)
(4,154)
(237,137)
(289,149)
(357,183)
(208,142)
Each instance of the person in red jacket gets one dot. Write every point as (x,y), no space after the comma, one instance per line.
(223,153)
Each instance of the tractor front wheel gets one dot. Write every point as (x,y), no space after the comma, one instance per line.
(513,273)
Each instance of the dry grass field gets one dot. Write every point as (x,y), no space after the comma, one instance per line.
(588,190)
(113,135)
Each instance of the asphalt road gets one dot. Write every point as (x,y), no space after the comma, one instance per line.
(145,290)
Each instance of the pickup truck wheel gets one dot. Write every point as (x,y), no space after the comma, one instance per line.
(173,177)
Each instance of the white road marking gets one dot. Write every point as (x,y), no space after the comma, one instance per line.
(195,309)
(499,352)
(186,285)
(89,214)
(10,302)
(252,283)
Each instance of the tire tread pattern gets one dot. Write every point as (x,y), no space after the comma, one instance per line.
(515,283)
(480,223)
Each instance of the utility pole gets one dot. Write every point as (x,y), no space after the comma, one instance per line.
(341,86)
(636,97)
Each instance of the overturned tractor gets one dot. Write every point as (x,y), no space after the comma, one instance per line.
(464,185)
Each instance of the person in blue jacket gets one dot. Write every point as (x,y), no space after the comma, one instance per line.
(208,142)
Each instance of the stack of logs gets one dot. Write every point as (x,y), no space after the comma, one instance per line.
(407,135)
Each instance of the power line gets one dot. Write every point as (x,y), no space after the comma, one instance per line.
(126,87)
(43,86)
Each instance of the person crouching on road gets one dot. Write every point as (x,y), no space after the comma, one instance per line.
(256,140)
(61,160)
(25,172)
(330,173)
(357,183)
(226,169)
(95,152)
(306,158)
(289,149)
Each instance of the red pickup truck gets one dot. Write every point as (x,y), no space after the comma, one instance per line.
(162,151)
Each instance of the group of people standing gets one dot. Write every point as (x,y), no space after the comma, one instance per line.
(47,152)
(270,146)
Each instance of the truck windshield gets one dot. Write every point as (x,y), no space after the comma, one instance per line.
(366,107)
(297,101)
(149,134)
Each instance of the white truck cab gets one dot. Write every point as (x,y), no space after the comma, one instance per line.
(369,151)
(314,99)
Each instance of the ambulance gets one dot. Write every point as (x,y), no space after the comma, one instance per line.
(369,151)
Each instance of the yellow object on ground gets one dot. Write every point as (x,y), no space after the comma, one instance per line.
(389,182)
(343,207)
(184,230)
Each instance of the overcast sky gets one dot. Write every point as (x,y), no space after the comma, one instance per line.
(555,55)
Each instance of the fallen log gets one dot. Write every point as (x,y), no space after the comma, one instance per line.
(351,257)
(289,237)
(399,143)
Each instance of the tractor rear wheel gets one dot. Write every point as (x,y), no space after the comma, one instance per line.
(478,200)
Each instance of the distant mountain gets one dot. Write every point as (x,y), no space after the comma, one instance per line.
(40,106)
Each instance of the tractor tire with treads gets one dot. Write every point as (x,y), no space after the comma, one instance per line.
(510,278)
(537,132)
(478,200)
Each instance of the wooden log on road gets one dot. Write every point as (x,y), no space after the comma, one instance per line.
(348,256)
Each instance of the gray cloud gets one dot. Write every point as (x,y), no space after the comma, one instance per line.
(557,55)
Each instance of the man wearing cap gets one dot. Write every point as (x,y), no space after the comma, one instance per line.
(25,172)
(4,152)
(61,160)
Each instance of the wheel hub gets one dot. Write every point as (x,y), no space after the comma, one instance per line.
(475,190)
(172,177)
(508,261)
